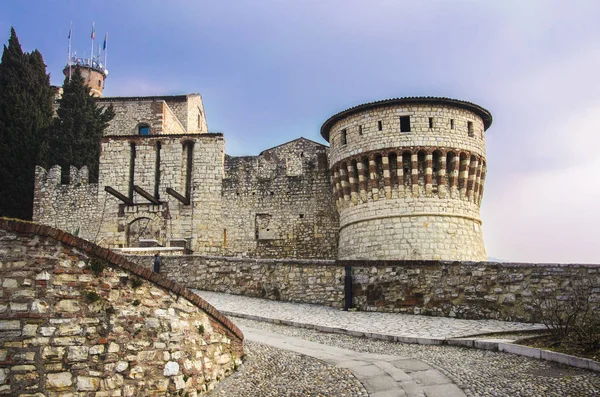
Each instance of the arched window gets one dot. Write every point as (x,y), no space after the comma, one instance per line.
(143,129)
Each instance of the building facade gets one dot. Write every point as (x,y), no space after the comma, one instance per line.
(401,179)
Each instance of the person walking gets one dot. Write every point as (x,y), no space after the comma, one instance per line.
(156,263)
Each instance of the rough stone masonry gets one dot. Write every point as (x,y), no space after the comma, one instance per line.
(76,319)
(401,179)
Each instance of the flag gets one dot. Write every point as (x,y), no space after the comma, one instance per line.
(93,32)
(105,37)
(70,31)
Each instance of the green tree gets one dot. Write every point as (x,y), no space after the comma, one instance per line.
(25,115)
(77,131)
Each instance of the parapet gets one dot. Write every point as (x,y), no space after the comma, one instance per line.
(54,175)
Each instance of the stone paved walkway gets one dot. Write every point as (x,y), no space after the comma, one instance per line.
(382,375)
(423,329)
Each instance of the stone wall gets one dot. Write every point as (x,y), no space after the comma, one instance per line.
(278,204)
(308,281)
(456,289)
(72,206)
(76,318)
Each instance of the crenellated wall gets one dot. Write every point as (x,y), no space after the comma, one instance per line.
(72,206)
(475,290)
(79,319)
(408,178)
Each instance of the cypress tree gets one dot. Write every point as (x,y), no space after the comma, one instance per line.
(77,131)
(25,115)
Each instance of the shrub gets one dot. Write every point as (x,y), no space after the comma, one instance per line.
(573,318)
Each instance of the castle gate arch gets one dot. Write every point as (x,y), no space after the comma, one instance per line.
(144,228)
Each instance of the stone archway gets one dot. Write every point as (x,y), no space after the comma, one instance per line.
(144,228)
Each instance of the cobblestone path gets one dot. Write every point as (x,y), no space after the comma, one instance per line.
(407,325)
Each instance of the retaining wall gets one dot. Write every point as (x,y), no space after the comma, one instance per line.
(473,290)
(79,319)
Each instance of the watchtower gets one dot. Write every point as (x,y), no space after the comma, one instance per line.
(407,177)
(93,71)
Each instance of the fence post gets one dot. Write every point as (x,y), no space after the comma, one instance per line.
(348,288)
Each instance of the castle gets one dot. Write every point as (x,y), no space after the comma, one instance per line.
(402,179)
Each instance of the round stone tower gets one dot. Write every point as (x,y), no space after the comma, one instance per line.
(92,71)
(407,177)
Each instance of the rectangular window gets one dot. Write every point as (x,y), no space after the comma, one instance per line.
(451,124)
(360,130)
(379,125)
(343,137)
(431,122)
(404,123)
(470,127)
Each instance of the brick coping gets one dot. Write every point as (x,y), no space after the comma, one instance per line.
(119,261)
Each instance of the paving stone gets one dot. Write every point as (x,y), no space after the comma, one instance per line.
(443,391)
(429,377)
(379,383)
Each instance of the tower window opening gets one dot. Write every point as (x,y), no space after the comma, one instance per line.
(100,83)
(451,124)
(343,137)
(144,129)
(470,128)
(360,130)
(431,122)
(404,123)
(379,125)
(199,121)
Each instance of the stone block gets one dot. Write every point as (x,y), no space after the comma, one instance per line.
(171,369)
(520,350)
(87,383)
(77,353)
(59,381)
(564,359)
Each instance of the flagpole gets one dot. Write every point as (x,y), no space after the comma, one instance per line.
(69,58)
(93,37)
(105,50)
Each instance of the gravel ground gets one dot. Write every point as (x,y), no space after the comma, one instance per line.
(477,372)
(268,371)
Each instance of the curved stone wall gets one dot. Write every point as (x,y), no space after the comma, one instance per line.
(79,319)
(408,177)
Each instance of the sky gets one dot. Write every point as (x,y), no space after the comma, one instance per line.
(270,71)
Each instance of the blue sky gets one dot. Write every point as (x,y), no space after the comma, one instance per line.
(270,71)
